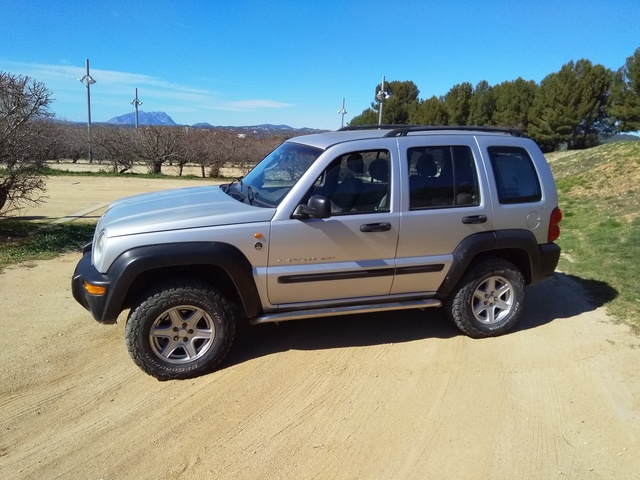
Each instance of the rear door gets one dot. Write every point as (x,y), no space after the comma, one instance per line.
(444,200)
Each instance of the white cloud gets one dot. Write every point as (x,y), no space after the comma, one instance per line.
(113,91)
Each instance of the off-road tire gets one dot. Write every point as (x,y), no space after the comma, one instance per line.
(488,300)
(180,330)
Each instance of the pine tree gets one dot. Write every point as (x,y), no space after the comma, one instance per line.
(482,105)
(626,95)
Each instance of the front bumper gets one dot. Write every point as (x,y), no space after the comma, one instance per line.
(86,272)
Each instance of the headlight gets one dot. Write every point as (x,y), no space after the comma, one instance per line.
(98,247)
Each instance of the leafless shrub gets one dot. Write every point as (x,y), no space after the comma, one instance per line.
(115,146)
(27,140)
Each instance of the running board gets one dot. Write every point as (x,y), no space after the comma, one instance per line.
(346,310)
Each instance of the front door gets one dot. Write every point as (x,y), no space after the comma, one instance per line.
(349,255)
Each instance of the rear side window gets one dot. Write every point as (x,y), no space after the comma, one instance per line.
(516,177)
(442,176)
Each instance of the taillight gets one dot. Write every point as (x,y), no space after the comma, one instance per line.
(554,227)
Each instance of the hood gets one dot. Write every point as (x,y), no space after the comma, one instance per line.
(178,209)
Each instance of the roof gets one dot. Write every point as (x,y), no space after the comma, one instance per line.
(346,134)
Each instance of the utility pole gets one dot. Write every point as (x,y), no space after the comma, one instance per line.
(88,79)
(342,112)
(382,95)
(135,102)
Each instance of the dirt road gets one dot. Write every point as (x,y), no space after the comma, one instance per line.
(384,396)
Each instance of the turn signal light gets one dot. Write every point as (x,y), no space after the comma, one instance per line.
(95,289)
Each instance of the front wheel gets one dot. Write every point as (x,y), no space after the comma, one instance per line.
(181,330)
(488,300)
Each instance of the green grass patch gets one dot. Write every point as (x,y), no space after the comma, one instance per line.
(23,240)
(599,194)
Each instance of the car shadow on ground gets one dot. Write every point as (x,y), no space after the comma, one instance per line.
(560,296)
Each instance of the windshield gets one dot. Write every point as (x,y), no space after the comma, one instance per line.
(269,181)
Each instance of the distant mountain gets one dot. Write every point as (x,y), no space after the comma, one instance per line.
(144,118)
(161,118)
(264,126)
(262,129)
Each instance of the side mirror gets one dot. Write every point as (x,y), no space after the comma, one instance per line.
(317,207)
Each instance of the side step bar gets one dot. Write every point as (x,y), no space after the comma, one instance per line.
(345,310)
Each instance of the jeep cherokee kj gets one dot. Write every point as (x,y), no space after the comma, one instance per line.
(358,220)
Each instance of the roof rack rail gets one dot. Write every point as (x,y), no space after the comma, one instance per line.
(403,130)
(374,127)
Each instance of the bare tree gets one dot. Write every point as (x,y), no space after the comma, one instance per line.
(26,140)
(195,148)
(221,151)
(115,146)
(157,145)
(72,141)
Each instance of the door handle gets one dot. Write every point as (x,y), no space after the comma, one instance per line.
(474,219)
(375,227)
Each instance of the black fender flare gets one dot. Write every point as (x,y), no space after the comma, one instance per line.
(486,242)
(124,271)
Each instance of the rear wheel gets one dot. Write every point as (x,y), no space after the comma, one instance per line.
(488,300)
(181,330)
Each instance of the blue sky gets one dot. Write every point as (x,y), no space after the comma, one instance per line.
(291,62)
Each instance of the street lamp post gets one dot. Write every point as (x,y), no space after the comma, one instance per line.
(342,112)
(136,103)
(382,95)
(88,79)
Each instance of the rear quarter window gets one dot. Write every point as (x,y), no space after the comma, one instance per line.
(515,175)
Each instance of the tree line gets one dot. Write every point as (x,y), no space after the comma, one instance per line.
(575,106)
(158,146)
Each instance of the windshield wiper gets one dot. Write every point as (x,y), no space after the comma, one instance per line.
(251,194)
(227,186)
(237,194)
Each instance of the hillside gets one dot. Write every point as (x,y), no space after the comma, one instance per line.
(599,192)
(609,173)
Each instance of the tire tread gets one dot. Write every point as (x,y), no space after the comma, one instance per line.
(135,325)
(456,305)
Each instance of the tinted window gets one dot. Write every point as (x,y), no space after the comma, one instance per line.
(516,177)
(442,176)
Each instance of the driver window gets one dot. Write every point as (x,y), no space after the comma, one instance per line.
(357,182)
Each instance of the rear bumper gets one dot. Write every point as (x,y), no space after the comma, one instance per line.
(549,257)
(86,272)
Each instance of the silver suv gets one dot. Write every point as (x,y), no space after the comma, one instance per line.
(354,221)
